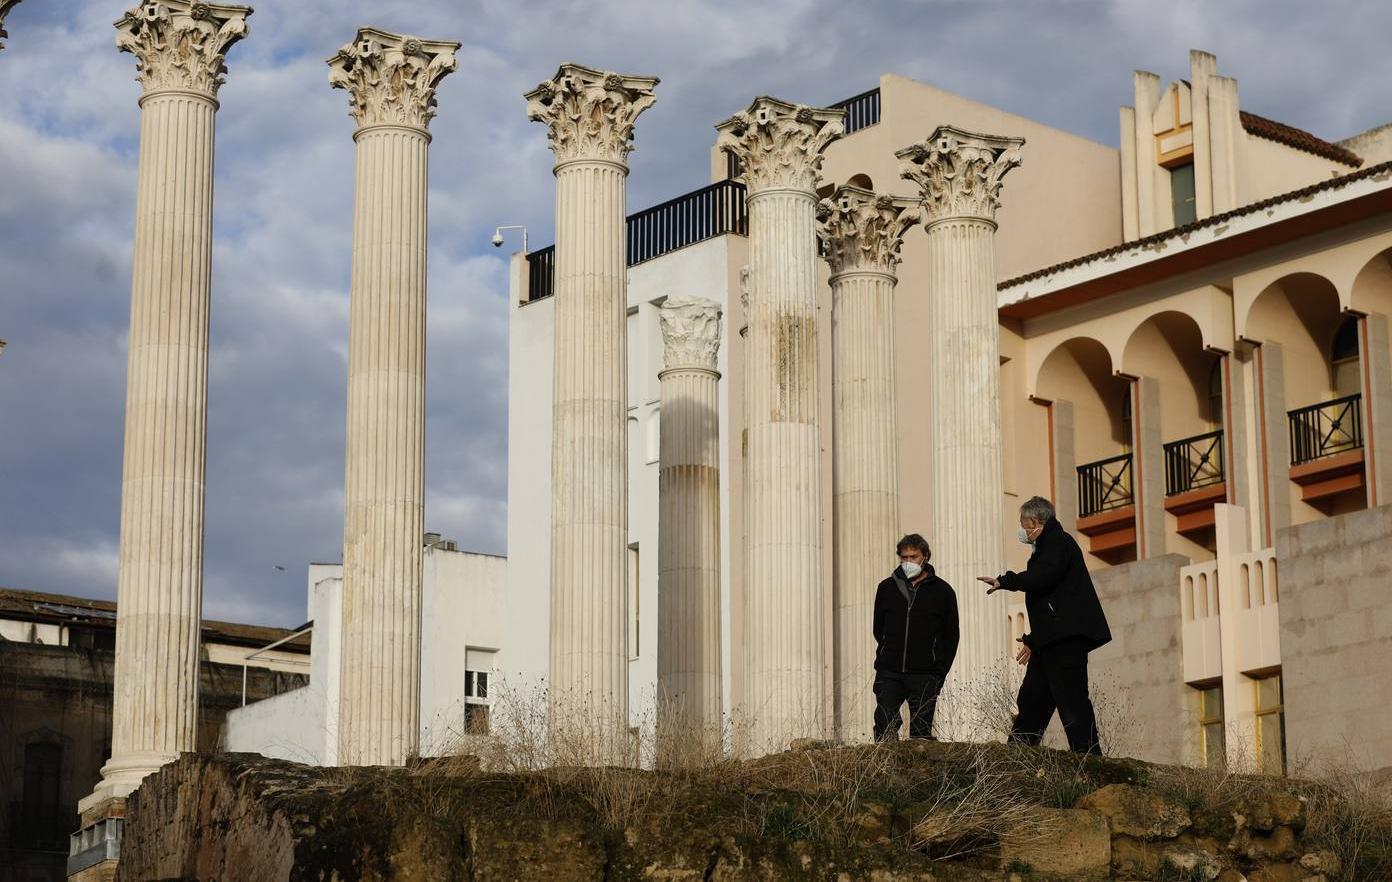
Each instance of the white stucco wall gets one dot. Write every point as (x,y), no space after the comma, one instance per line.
(462,603)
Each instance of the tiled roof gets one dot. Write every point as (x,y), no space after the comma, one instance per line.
(35,606)
(1178,232)
(1300,139)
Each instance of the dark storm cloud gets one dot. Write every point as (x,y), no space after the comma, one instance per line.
(68,130)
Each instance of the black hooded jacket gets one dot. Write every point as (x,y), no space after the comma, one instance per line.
(915,627)
(1059,594)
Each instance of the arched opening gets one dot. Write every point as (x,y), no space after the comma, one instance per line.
(1168,349)
(1079,372)
(1321,375)
(861,180)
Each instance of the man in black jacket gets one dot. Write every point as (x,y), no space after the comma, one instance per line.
(1066,623)
(915,627)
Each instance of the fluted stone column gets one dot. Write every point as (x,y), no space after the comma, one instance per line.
(861,234)
(390,80)
(688,581)
(5,7)
(590,116)
(786,676)
(959,174)
(179,49)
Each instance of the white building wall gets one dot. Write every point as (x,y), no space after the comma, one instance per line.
(462,607)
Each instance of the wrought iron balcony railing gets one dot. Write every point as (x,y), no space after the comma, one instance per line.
(1194,463)
(702,214)
(1326,429)
(862,111)
(1104,485)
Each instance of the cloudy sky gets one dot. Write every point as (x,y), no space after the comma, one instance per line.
(69,130)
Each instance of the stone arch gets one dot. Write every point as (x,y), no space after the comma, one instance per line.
(1169,348)
(1301,311)
(1080,371)
(861,180)
(1371,290)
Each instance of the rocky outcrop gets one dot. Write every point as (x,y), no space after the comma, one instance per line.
(927,812)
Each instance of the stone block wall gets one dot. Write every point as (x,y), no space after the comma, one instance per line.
(1335,585)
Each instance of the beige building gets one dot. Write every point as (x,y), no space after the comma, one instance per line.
(1194,364)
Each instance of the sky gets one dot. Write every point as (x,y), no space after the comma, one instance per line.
(69,141)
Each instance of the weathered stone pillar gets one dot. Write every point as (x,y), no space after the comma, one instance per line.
(5,7)
(688,582)
(179,49)
(785,693)
(390,80)
(590,116)
(860,236)
(960,176)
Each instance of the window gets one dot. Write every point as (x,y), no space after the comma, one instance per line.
(1126,419)
(477,697)
(1182,194)
(1213,745)
(634,599)
(1215,394)
(1271,725)
(1343,357)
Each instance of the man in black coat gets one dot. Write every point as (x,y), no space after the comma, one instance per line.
(1066,623)
(915,627)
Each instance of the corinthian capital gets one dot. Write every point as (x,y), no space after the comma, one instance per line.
(590,113)
(690,332)
(780,144)
(959,172)
(181,45)
(5,6)
(861,230)
(391,78)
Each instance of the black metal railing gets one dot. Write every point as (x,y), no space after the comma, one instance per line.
(1104,485)
(541,273)
(862,111)
(1194,463)
(1326,429)
(713,210)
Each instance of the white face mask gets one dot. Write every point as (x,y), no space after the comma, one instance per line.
(911,569)
(1023,536)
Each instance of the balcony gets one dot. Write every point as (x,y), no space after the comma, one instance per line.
(711,211)
(1326,443)
(1107,505)
(1194,481)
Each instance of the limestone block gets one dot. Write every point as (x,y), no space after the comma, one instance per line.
(1072,843)
(1135,812)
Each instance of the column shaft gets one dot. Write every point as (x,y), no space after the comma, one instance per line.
(786,677)
(689,666)
(964,398)
(866,479)
(159,587)
(589,538)
(384,486)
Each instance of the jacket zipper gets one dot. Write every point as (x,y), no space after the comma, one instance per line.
(935,650)
(913,595)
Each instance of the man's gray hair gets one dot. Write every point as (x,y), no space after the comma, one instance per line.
(1037,508)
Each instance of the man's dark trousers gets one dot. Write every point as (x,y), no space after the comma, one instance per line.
(892,690)
(1057,679)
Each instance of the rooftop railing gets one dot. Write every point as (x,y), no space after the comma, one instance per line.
(713,210)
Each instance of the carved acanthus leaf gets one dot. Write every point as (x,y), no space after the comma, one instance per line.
(5,7)
(690,332)
(958,172)
(590,113)
(181,45)
(391,78)
(780,144)
(861,230)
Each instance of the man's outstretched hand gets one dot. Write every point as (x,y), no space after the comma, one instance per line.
(992,581)
(1023,656)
